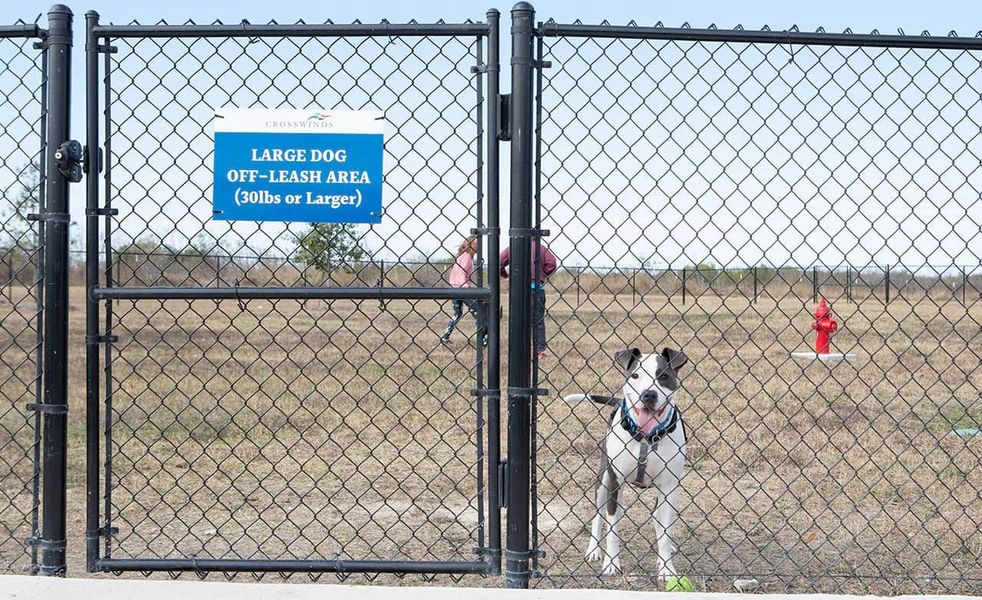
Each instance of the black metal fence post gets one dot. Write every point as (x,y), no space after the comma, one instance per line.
(9,259)
(55,223)
(886,285)
(683,286)
(91,281)
(756,283)
(814,284)
(492,319)
(576,282)
(964,284)
(519,324)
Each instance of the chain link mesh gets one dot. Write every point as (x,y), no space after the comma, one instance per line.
(319,429)
(701,196)
(21,165)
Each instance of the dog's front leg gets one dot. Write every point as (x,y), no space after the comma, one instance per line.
(605,481)
(612,562)
(666,514)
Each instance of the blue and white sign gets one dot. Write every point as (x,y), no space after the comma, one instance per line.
(309,166)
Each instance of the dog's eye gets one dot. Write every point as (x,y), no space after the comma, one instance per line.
(635,375)
(663,377)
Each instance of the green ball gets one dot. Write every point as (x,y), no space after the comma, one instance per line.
(678,583)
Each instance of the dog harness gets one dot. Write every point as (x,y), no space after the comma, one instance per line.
(648,440)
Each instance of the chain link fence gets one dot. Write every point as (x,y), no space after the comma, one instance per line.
(710,150)
(290,431)
(276,397)
(22,116)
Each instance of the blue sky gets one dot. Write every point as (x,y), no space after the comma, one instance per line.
(735,240)
(938,16)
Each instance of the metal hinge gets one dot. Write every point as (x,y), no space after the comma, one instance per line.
(86,157)
(502,483)
(101,212)
(54,217)
(44,544)
(531,232)
(530,392)
(51,409)
(485,230)
(104,531)
(106,48)
(504,118)
(101,339)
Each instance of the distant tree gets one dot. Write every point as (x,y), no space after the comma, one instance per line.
(15,224)
(326,246)
(706,271)
(145,259)
(205,247)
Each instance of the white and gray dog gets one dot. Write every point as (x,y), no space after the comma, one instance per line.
(645,447)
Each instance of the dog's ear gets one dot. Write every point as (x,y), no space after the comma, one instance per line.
(628,359)
(675,358)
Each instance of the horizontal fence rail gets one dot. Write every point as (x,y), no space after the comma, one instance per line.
(270,293)
(767,36)
(306,30)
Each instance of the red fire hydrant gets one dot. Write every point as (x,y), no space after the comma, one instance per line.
(825,325)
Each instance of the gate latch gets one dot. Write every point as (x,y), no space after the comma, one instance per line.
(68,157)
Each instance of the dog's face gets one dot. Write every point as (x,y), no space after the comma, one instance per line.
(651,379)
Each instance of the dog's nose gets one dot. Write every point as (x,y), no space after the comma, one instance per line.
(649,396)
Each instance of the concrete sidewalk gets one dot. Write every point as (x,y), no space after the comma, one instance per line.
(14,587)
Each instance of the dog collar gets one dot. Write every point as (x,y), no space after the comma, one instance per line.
(663,428)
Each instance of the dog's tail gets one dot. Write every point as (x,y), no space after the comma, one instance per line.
(608,400)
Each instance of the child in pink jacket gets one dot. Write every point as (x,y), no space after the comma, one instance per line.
(462,275)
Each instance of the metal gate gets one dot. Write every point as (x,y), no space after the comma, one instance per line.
(23,114)
(256,402)
(675,167)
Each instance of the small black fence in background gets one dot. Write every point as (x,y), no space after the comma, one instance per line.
(160,267)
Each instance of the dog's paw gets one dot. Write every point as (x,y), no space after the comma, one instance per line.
(612,567)
(665,573)
(594,554)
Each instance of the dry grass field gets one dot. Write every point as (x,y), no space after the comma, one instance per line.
(326,429)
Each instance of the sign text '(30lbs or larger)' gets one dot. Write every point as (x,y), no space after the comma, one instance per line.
(293,165)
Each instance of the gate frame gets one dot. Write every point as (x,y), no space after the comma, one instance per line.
(489,555)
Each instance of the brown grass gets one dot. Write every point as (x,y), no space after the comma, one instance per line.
(296,430)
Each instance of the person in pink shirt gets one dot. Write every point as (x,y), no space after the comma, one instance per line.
(542,267)
(462,275)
